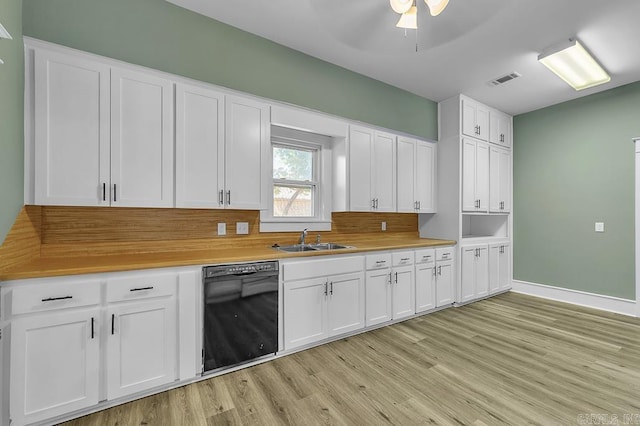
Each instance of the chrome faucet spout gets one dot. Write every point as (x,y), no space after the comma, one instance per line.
(303,236)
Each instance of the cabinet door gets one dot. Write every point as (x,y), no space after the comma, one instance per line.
(425,172)
(495,195)
(346,303)
(246,149)
(504,124)
(469,200)
(494,127)
(406,175)
(54,364)
(199,147)
(494,268)
(482,176)
(444,284)
(505,180)
(404,292)
(482,272)
(141,346)
(504,267)
(141,140)
(71,131)
(425,287)
(482,121)
(384,172)
(469,126)
(467,279)
(378,297)
(360,169)
(305,312)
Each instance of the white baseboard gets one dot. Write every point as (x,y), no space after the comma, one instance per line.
(576,297)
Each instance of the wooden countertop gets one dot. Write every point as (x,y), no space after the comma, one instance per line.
(59,266)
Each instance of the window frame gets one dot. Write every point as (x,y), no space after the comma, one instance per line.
(314,184)
(322,145)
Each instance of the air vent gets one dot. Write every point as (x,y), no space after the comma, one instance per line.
(501,80)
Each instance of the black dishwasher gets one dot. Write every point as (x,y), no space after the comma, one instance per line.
(240,313)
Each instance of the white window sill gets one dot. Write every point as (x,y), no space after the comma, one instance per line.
(294,225)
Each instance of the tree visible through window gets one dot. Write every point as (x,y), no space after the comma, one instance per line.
(294,181)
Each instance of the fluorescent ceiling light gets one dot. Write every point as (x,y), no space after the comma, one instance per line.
(571,62)
(4,33)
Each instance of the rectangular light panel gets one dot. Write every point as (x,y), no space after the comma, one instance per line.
(571,62)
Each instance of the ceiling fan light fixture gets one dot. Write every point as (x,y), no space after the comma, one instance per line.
(572,62)
(409,19)
(436,6)
(401,6)
(4,33)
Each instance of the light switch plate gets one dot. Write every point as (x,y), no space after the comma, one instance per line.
(384,226)
(599,226)
(242,228)
(222,228)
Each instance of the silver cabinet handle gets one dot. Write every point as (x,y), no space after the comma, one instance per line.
(396,278)
(229,197)
(104,191)
(113,324)
(326,288)
(390,282)
(419,205)
(380,262)
(376,204)
(434,271)
(440,270)
(331,291)
(373,203)
(92,327)
(221,197)
(405,259)
(115,193)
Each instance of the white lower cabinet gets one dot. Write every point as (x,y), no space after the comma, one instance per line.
(390,293)
(54,364)
(474,283)
(434,278)
(75,341)
(499,261)
(318,307)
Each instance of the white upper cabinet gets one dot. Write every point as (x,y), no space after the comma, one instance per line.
(475,176)
(500,128)
(102,135)
(71,130)
(141,140)
(246,150)
(199,147)
(416,176)
(372,167)
(499,180)
(475,119)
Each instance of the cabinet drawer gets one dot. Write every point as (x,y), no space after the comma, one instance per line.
(444,254)
(425,256)
(378,261)
(54,295)
(401,258)
(321,268)
(134,287)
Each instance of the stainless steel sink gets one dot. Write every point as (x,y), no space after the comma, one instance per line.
(329,246)
(296,248)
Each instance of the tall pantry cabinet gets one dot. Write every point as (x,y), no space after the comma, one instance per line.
(474,195)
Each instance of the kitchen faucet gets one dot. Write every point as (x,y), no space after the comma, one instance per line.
(303,235)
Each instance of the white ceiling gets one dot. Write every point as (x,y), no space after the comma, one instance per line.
(459,51)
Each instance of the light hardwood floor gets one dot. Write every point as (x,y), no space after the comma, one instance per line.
(511,359)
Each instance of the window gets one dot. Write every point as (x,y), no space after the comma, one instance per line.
(295,183)
(300,174)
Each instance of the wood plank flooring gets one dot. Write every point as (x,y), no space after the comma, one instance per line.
(511,359)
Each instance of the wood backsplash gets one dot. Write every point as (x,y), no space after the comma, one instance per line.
(86,224)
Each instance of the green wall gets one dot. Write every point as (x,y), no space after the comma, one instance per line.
(11,116)
(574,166)
(160,35)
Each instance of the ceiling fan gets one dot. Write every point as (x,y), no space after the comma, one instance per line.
(409,11)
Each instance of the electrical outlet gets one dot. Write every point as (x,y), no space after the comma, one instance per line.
(384,226)
(242,228)
(599,226)
(222,228)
